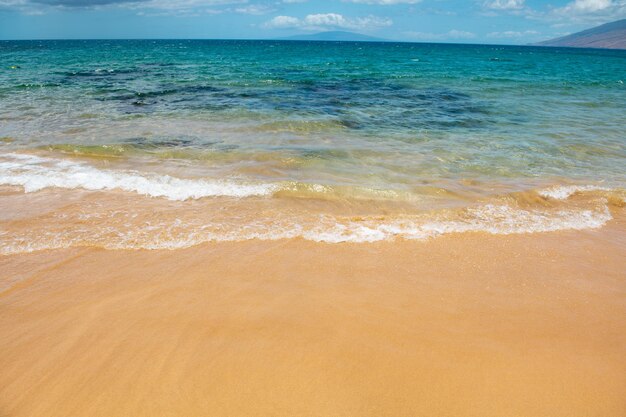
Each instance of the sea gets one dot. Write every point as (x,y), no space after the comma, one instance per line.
(166,144)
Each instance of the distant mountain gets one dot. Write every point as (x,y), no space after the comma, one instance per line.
(334,36)
(611,35)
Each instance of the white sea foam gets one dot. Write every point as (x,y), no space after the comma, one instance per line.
(563,192)
(492,219)
(35,173)
(124,229)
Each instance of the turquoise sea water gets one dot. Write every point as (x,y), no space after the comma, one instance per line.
(437,125)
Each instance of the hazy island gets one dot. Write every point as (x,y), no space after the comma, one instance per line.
(610,35)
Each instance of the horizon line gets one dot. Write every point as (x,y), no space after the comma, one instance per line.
(272,40)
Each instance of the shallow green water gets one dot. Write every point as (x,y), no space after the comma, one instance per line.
(260,139)
(381,114)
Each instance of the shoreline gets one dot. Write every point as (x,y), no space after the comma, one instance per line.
(463,325)
(305,230)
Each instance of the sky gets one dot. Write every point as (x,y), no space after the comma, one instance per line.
(459,21)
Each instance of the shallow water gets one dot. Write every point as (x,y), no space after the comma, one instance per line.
(228,140)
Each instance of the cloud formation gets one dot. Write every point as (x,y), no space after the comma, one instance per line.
(509,19)
(512,34)
(82,3)
(254,9)
(383,2)
(575,12)
(24,5)
(578,7)
(504,4)
(589,11)
(589,5)
(322,21)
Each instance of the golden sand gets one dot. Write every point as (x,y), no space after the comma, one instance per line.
(462,325)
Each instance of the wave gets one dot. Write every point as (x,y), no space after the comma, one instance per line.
(35,173)
(121,230)
(563,192)
(110,222)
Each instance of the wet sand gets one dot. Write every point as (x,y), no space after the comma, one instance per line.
(461,325)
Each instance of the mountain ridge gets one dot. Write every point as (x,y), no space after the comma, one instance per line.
(608,36)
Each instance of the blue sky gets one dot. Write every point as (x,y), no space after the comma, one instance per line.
(467,21)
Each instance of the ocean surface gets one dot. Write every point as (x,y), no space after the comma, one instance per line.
(167,144)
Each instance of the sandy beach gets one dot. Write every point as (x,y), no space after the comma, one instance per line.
(266,227)
(461,325)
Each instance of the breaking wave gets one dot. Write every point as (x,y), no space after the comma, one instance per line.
(35,173)
(157,224)
(116,232)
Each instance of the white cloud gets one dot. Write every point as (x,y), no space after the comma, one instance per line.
(578,7)
(164,7)
(590,11)
(504,4)
(576,12)
(383,2)
(183,4)
(280,22)
(589,5)
(254,9)
(12,3)
(323,21)
(22,6)
(512,34)
(450,35)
